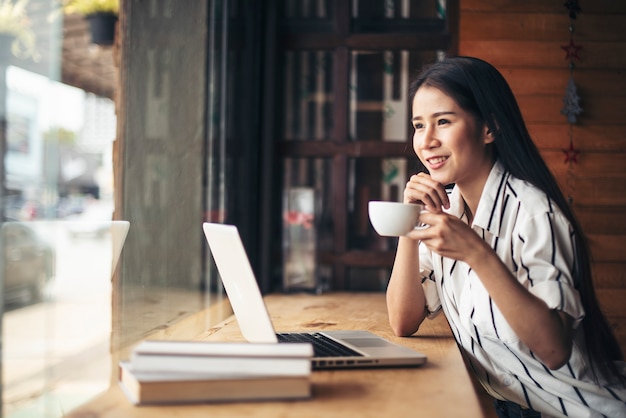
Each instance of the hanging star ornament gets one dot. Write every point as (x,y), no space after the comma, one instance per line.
(571,50)
(571,154)
(571,100)
(573,8)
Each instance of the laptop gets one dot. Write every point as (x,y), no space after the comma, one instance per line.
(355,348)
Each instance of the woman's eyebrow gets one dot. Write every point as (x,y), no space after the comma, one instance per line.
(435,115)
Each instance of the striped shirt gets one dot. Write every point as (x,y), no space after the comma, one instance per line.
(535,240)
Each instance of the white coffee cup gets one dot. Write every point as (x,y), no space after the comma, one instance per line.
(394,219)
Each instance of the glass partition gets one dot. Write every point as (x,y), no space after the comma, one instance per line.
(82,145)
(56,165)
(57,312)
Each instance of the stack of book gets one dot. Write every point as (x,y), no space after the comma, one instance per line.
(160,372)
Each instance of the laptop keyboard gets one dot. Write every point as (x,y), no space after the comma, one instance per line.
(322,345)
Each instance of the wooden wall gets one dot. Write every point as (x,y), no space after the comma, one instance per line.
(523,40)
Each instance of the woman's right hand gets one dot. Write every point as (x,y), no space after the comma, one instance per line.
(421,188)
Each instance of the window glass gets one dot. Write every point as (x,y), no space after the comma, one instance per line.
(375,179)
(379,83)
(307,215)
(398,16)
(67,315)
(307,9)
(56,201)
(308,95)
(57,318)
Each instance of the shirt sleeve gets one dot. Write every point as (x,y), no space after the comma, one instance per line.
(547,263)
(429,284)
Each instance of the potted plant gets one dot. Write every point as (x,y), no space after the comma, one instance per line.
(16,35)
(101,15)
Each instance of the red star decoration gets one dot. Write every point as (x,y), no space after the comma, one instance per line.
(571,154)
(571,50)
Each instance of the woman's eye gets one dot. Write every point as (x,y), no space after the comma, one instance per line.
(418,126)
(443,121)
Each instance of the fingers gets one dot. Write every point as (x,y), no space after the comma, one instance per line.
(421,188)
(447,236)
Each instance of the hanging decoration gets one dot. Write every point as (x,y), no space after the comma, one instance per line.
(573,8)
(571,153)
(571,107)
(571,101)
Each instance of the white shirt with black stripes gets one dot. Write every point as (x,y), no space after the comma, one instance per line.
(535,240)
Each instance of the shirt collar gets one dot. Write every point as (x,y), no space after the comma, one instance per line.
(489,208)
(457,206)
(487,214)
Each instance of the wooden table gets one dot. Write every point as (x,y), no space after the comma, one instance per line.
(440,388)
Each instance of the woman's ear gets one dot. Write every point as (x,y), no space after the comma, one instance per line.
(488,136)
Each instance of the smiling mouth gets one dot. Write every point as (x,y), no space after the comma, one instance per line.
(436,160)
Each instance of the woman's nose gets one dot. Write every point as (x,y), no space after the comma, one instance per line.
(425,139)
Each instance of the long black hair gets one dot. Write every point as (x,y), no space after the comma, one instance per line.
(480,89)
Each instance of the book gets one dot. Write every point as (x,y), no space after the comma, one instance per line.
(234,358)
(149,388)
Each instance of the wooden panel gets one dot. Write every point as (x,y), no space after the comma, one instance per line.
(536,81)
(609,248)
(595,192)
(541,27)
(596,109)
(600,138)
(541,6)
(542,109)
(510,6)
(612,301)
(514,26)
(552,81)
(529,54)
(602,220)
(590,164)
(601,82)
(610,275)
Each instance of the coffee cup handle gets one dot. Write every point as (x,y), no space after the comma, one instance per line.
(423,225)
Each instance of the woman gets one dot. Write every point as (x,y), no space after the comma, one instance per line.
(503,256)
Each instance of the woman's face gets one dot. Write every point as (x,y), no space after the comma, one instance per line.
(448,140)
